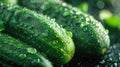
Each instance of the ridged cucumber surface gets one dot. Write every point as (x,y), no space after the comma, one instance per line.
(90,37)
(15,53)
(39,31)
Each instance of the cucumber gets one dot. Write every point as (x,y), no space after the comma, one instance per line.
(39,31)
(90,37)
(16,53)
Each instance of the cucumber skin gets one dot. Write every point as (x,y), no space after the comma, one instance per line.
(39,31)
(14,52)
(90,37)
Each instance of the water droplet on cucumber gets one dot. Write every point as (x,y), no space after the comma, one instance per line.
(22,56)
(31,50)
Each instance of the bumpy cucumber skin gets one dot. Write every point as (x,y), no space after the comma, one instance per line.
(90,37)
(39,31)
(16,53)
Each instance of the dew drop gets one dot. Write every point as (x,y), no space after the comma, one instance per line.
(61,26)
(53,20)
(78,12)
(115,65)
(106,31)
(45,34)
(114,46)
(87,19)
(84,29)
(1,4)
(119,54)
(62,50)
(32,32)
(31,50)
(36,61)
(82,25)
(22,56)
(110,59)
(55,42)
(102,62)
(119,58)
(100,4)
(69,33)
(64,4)
(66,13)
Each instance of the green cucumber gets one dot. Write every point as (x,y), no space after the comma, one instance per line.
(90,37)
(16,53)
(39,31)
